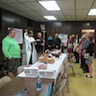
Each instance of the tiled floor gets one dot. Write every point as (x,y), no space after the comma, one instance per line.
(79,85)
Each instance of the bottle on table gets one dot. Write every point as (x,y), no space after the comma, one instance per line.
(38,84)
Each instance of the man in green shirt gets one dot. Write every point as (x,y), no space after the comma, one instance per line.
(11,51)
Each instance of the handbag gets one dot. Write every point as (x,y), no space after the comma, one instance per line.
(86,55)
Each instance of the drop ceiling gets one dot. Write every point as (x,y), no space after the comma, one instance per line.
(71,10)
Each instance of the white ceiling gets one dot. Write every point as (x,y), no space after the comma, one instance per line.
(71,10)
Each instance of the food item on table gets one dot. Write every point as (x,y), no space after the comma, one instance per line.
(42,66)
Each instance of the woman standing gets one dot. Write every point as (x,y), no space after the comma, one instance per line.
(89,60)
(70,48)
(31,54)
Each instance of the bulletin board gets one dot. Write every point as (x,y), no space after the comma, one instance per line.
(64,38)
(19,35)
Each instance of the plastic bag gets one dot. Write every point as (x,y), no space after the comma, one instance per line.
(86,55)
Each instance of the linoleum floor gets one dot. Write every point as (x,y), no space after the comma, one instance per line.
(79,85)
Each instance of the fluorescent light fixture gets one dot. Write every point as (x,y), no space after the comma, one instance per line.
(50,17)
(92,12)
(50,5)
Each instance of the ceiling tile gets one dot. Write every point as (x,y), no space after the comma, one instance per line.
(26,0)
(8,1)
(94,5)
(71,17)
(33,10)
(56,12)
(42,12)
(82,12)
(19,6)
(69,12)
(33,13)
(34,6)
(60,17)
(81,17)
(91,18)
(8,8)
(66,4)
(83,4)
(22,14)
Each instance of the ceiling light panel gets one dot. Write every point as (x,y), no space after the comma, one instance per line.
(50,5)
(92,12)
(50,17)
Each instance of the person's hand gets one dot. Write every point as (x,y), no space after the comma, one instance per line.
(56,46)
(10,58)
(42,44)
(84,51)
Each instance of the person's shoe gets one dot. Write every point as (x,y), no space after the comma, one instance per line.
(89,76)
(80,67)
(85,71)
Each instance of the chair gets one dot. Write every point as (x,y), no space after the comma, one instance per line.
(64,75)
(4,80)
(70,65)
(61,86)
(4,66)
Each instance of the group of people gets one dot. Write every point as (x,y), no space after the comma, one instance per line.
(87,47)
(54,43)
(33,49)
(80,47)
(35,46)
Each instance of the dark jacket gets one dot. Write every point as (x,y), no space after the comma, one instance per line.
(90,49)
(57,42)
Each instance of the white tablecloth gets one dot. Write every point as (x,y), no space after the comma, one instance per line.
(57,66)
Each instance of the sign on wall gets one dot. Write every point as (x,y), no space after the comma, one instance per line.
(19,35)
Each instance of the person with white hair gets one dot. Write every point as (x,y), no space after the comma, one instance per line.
(85,44)
(89,59)
(39,42)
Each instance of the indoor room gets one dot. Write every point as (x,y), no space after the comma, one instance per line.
(47,47)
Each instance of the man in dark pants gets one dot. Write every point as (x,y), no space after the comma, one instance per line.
(50,43)
(57,42)
(11,51)
(76,54)
(40,44)
(75,51)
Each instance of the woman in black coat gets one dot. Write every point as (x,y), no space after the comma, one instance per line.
(89,60)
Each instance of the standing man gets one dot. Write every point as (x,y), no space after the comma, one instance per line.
(57,42)
(50,43)
(75,49)
(40,43)
(11,51)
